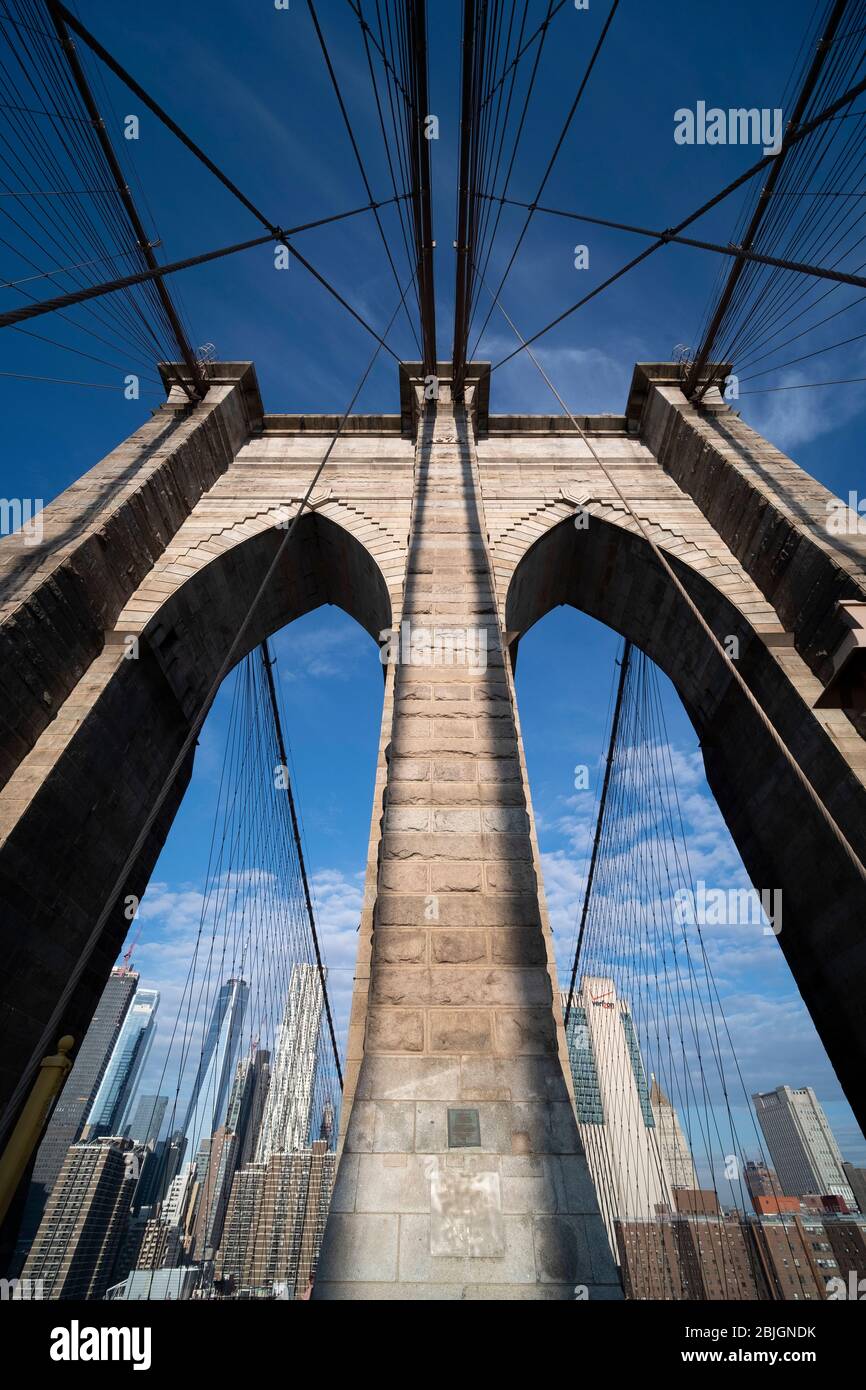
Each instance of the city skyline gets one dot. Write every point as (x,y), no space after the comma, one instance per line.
(288,1104)
(258,1223)
(125,1210)
(302,1022)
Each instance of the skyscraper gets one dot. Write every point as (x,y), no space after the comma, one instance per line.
(247,1101)
(219,1157)
(801,1143)
(85,1219)
(213,1078)
(676,1155)
(75,1100)
(614,1113)
(275,1222)
(856,1179)
(288,1112)
(146,1119)
(178,1197)
(213,1196)
(111,1102)
(159,1170)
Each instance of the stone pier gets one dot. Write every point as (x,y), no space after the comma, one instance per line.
(462,1173)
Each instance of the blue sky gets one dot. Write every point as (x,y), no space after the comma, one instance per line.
(248,82)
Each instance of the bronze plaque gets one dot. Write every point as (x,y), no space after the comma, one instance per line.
(464,1129)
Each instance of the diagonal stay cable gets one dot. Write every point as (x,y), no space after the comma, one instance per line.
(129,81)
(389,66)
(80,231)
(419,155)
(198,386)
(764,202)
(599,825)
(804,386)
(65,381)
(48,306)
(135,87)
(730,250)
(54,1022)
(515,145)
(541,30)
(553,158)
(804,130)
(386,142)
(358,157)
(267,662)
(502,123)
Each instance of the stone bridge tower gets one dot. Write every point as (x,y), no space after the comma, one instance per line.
(461,1173)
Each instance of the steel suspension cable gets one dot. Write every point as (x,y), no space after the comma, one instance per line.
(793,137)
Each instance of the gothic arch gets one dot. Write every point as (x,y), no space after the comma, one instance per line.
(72,810)
(609,572)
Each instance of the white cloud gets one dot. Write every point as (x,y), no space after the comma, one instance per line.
(324,652)
(748,1016)
(588,379)
(789,418)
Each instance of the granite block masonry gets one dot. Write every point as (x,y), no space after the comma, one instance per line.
(462,1150)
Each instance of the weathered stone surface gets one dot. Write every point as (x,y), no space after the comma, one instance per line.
(455,878)
(405,878)
(459,910)
(364,1244)
(509,876)
(458,947)
(518,946)
(525,1031)
(513,1261)
(466,1215)
(390,1030)
(400,1078)
(399,947)
(460,1030)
